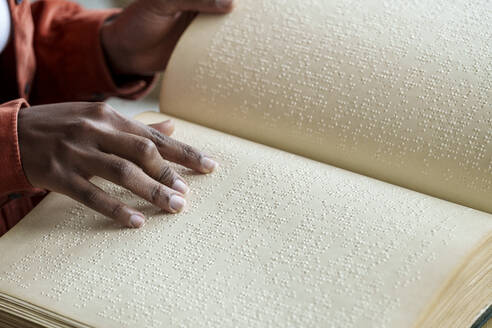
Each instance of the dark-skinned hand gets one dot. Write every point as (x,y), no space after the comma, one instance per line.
(64,145)
(140,40)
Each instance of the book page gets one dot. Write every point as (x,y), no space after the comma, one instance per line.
(269,239)
(396,90)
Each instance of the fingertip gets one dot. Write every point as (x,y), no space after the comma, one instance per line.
(208,165)
(166,127)
(136,221)
(180,186)
(177,203)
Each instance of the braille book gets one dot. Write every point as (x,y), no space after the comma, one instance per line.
(354,189)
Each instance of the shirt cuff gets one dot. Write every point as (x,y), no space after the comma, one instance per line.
(12,177)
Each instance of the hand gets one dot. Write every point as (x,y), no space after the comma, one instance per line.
(62,146)
(140,40)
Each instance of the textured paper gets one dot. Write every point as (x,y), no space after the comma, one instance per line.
(270,239)
(393,89)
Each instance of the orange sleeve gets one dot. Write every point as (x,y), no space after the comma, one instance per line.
(12,176)
(70,60)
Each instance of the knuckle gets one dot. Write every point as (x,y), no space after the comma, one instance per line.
(125,124)
(157,194)
(120,169)
(188,154)
(146,148)
(159,139)
(101,109)
(117,211)
(166,175)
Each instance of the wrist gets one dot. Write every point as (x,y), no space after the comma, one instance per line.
(117,56)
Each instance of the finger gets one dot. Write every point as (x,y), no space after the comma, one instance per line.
(169,148)
(144,153)
(95,198)
(181,153)
(131,177)
(206,6)
(166,127)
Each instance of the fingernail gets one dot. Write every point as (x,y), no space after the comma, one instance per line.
(180,186)
(208,164)
(177,203)
(136,221)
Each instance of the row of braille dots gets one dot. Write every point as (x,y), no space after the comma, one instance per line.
(404,138)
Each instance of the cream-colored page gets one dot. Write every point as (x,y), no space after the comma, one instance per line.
(269,240)
(393,89)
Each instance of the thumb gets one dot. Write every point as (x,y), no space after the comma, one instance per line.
(166,127)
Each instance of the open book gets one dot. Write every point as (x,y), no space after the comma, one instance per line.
(355,186)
